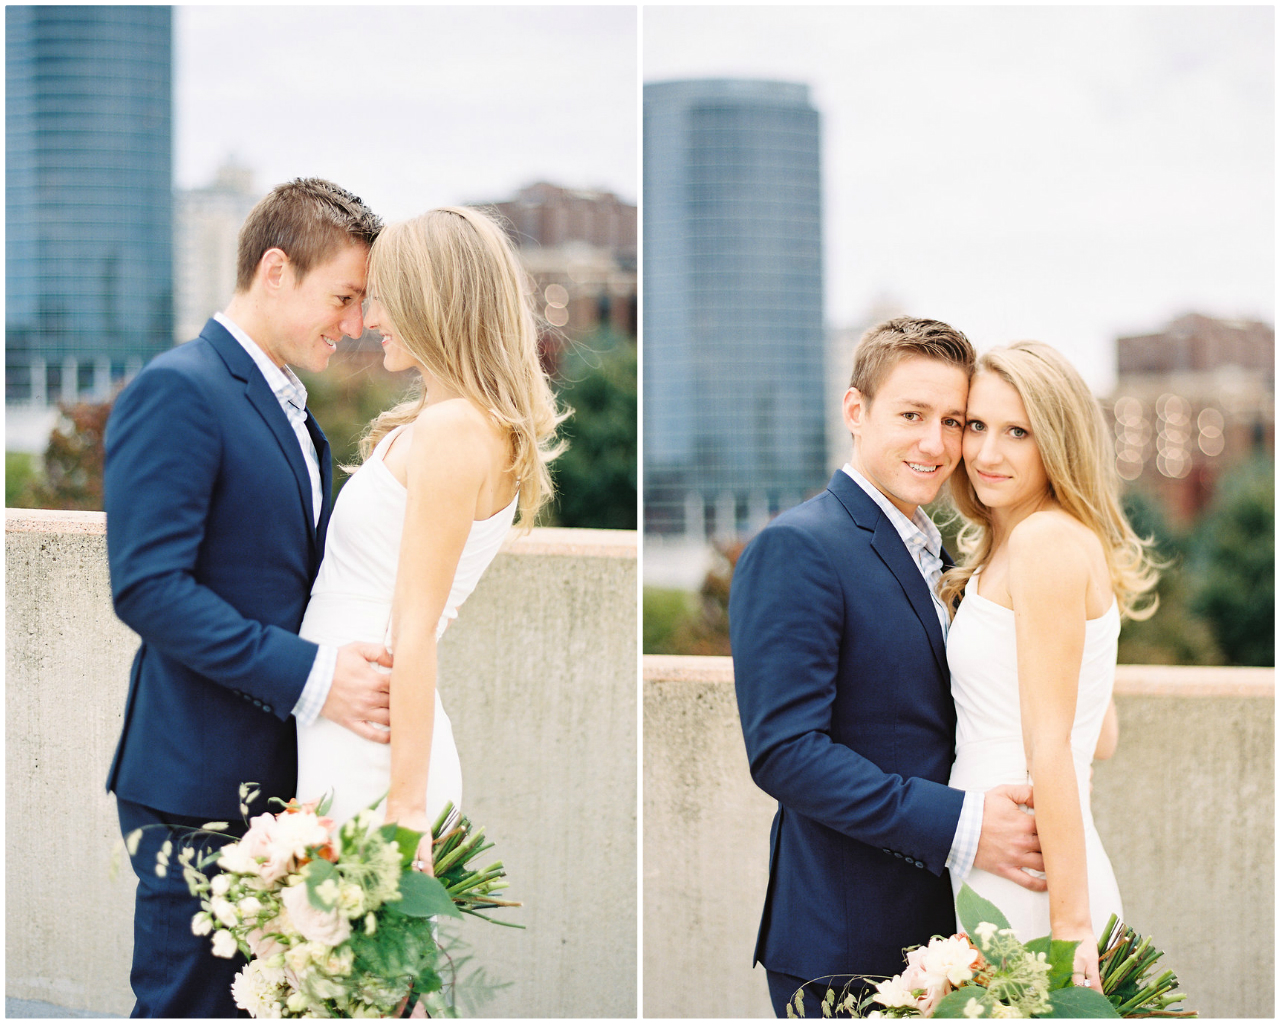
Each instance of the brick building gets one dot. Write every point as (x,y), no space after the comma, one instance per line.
(1192,400)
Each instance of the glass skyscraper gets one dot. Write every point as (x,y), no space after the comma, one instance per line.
(733,333)
(88,198)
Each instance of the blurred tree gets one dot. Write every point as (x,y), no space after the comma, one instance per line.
(704,628)
(1175,635)
(1234,556)
(596,477)
(72,476)
(664,611)
(19,472)
(345,397)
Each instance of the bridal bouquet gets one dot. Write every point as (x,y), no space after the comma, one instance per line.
(335,923)
(987,972)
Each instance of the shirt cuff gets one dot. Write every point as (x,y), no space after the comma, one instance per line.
(965,845)
(316,690)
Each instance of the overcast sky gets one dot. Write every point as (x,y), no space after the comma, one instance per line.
(1063,173)
(409,107)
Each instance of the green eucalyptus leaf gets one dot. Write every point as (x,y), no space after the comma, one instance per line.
(1078,1003)
(405,838)
(422,896)
(953,1004)
(973,910)
(317,872)
(1060,954)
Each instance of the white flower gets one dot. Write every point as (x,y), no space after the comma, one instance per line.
(948,960)
(220,885)
(985,931)
(288,839)
(237,858)
(894,993)
(351,899)
(249,907)
(328,927)
(201,924)
(973,1008)
(224,944)
(224,911)
(1001,1010)
(257,988)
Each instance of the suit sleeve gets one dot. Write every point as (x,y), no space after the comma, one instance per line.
(163,448)
(786,619)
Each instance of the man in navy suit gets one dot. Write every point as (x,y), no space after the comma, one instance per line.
(217,484)
(843,690)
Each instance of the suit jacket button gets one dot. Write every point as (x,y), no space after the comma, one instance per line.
(897,854)
(266,708)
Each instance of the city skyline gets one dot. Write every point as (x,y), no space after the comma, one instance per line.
(429,106)
(1068,174)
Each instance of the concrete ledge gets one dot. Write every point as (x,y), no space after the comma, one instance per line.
(1185,808)
(538,675)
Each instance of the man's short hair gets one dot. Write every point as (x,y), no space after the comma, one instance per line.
(886,344)
(310,220)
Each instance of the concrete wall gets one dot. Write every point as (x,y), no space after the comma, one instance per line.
(538,675)
(1185,808)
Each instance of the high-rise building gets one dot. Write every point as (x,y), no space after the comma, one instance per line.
(1192,400)
(734,345)
(207,225)
(88,203)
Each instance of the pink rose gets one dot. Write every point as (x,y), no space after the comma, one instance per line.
(328,927)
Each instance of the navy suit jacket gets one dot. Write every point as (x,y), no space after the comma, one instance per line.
(846,708)
(213,547)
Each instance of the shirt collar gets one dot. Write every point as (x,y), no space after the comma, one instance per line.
(919,522)
(278,379)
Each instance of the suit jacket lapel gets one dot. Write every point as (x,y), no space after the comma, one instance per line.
(264,400)
(886,543)
(326,481)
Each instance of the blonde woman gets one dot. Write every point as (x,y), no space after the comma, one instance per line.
(1052,567)
(421,519)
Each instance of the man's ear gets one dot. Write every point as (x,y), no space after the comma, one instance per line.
(854,408)
(271,269)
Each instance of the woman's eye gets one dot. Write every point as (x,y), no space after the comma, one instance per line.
(975,425)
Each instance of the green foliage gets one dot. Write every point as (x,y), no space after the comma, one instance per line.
(664,610)
(1079,1003)
(1234,553)
(1176,634)
(1061,956)
(973,910)
(346,397)
(596,477)
(701,627)
(953,1004)
(19,473)
(422,896)
(72,477)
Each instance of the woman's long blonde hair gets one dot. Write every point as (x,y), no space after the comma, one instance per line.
(459,301)
(1071,437)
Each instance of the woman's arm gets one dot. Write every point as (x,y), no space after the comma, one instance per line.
(1049,614)
(447,468)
